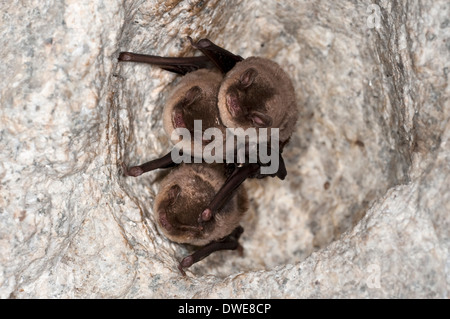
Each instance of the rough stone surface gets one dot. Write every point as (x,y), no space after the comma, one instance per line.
(364,211)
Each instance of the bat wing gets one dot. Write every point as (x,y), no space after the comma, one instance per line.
(230,242)
(213,56)
(162,162)
(223,59)
(179,65)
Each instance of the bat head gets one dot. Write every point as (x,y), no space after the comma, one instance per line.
(195,104)
(185,193)
(194,98)
(258,93)
(246,100)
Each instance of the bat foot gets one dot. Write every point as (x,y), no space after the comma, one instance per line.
(191,40)
(180,268)
(125,56)
(200,44)
(124,169)
(229,242)
(132,171)
(186,262)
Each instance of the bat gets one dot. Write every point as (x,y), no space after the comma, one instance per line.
(183,191)
(258,93)
(194,97)
(255,93)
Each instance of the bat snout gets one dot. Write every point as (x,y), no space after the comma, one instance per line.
(178,119)
(164,221)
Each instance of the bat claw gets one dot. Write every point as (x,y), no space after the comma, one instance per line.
(125,56)
(192,41)
(180,268)
(201,44)
(124,169)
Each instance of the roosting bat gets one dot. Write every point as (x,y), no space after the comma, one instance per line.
(194,97)
(256,92)
(182,192)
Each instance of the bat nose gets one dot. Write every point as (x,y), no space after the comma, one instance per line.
(233,104)
(164,221)
(178,119)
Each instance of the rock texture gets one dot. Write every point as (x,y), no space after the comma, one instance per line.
(364,211)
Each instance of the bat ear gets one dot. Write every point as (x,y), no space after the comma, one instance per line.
(192,95)
(260,119)
(248,77)
(173,193)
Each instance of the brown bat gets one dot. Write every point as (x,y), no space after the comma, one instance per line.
(258,93)
(194,98)
(182,192)
(255,93)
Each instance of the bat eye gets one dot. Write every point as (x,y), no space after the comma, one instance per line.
(192,95)
(260,119)
(248,77)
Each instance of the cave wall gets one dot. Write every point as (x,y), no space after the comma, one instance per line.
(362,213)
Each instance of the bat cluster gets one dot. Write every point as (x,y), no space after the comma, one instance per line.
(202,203)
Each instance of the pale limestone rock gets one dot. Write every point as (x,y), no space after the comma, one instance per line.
(364,211)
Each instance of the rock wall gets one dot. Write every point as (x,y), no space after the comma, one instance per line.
(364,211)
